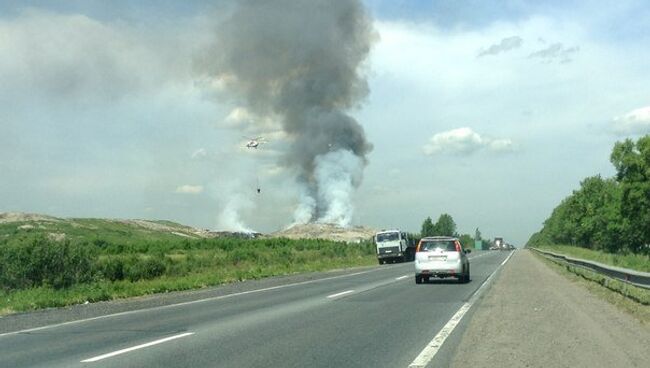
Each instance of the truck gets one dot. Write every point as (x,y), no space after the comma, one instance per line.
(500,244)
(394,246)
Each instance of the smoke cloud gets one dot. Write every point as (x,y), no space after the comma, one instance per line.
(299,62)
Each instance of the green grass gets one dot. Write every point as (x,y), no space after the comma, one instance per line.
(44,297)
(149,267)
(632,261)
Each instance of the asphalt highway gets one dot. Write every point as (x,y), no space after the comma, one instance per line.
(377,317)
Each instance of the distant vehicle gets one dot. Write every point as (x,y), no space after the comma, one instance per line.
(498,243)
(441,256)
(393,245)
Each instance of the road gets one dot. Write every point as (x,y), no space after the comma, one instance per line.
(376,317)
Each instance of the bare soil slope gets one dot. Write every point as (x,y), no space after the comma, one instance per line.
(15,223)
(326,231)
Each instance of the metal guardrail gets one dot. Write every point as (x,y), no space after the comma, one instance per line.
(636,278)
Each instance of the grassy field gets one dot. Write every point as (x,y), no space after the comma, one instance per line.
(631,261)
(100,260)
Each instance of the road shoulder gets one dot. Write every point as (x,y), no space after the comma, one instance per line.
(534,317)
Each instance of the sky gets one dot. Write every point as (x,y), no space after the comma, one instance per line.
(492,112)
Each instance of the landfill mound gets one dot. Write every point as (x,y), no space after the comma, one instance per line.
(7,217)
(353,234)
(12,223)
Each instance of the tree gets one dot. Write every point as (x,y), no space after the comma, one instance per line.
(445,226)
(428,229)
(607,214)
(588,218)
(632,163)
(466,241)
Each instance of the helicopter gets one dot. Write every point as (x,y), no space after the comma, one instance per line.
(254,142)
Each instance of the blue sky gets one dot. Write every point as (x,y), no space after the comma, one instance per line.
(492,113)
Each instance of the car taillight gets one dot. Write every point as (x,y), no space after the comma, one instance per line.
(417,249)
(458,247)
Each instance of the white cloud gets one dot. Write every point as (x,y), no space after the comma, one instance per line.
(238,116)
(190,189)
(634,122)
(464,141)
(199,154)
(501,145)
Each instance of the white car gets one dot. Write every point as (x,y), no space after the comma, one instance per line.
(441,256)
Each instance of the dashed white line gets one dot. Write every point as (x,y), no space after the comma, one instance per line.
(340,294)
(118,352)
(401,277)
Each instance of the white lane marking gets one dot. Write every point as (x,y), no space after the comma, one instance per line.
(506,260)
(185,303)
(401,277)
(340,294)
(434,345)
(152,343)
(429,351)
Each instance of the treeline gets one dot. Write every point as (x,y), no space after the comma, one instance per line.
(608,214)
(446,226)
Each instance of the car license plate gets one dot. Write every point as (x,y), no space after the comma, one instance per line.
(388,251)
(437,258)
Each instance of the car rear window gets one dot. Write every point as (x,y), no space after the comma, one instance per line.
(446,245)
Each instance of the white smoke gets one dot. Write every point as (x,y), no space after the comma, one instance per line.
(229,219)
(304,213)
(337,174)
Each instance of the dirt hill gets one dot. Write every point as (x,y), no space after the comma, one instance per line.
(327,231)
(118,230)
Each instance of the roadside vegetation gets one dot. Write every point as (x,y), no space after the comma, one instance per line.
(632,261)
(37,271)
(606,219)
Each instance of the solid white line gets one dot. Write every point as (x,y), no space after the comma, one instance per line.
(183,303)
(118,352)
(341,293)
(429,351)
(487,281)
(506,260)
(434,345)
(401,277)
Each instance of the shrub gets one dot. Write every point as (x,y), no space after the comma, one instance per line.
(44,262)
(145,269)
(112,269)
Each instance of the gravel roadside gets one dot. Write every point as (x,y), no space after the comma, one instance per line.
(534,317)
